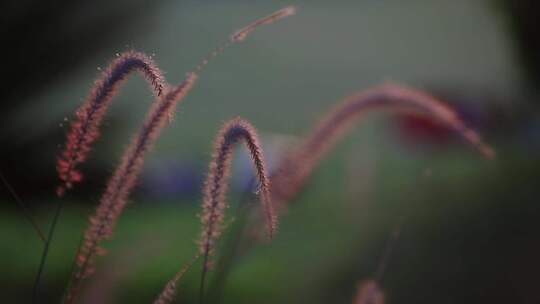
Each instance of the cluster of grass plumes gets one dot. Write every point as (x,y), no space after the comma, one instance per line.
(84,131)
(293,170)
(274,190)
(296,167)
(114,199)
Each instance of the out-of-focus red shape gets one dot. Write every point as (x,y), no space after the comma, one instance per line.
(417,129)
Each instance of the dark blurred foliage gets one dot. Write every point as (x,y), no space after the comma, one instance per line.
(458,251)
(42,42)
(524,19)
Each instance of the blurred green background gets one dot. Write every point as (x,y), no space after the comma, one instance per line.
(468,225)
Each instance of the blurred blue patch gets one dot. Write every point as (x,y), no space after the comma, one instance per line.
(173,179)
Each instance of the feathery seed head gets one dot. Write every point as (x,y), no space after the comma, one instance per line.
(84,129)
(215,187)
(296,166)
(242,33)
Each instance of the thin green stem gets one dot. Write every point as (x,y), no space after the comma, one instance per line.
(23,207)
(46,250)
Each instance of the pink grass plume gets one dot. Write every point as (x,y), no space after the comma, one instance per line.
(214,204)
(297,165)
(242,33)
(368,292)
(84,129)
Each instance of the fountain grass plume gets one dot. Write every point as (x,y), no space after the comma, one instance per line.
(168,293)
(368,292)
(242,33)
(297,165)
(214,204)
(84,129)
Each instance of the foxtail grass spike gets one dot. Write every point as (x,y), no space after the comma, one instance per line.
(168,293)
(296,166)
(84,129)
(242,33)
(214,204)
(368,292)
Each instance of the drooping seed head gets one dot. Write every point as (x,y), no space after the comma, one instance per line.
(297,165)
(84,129)
(215,187)
(242,33)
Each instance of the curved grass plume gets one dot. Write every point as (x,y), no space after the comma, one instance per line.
(293,170)
(233,131)
(84,129)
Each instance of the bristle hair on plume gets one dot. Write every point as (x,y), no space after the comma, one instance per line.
(368,292)
(84,129)
(214,204)
(297,165)
(242,33)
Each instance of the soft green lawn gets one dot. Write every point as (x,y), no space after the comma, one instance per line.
(454,231)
